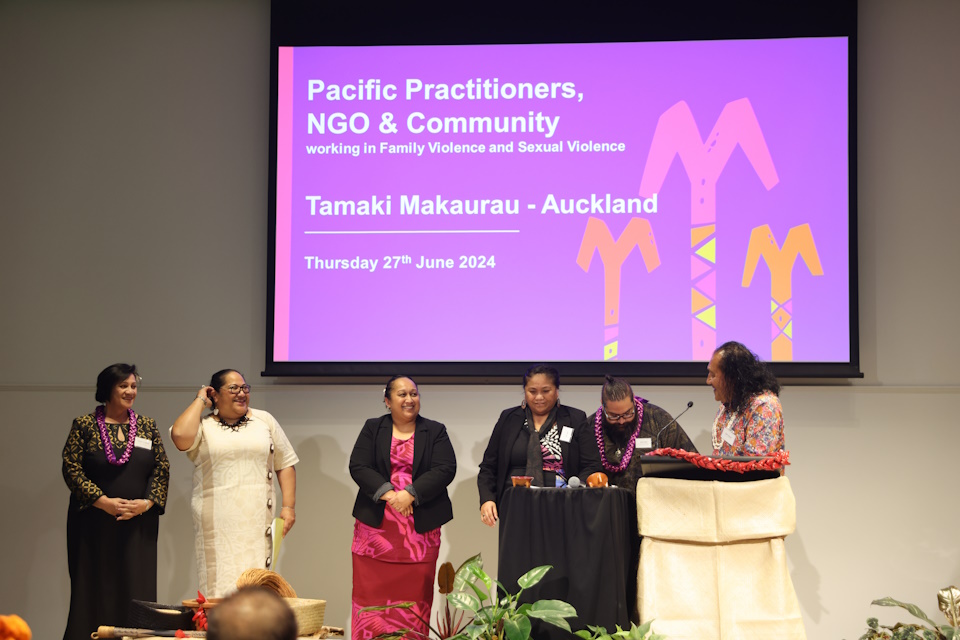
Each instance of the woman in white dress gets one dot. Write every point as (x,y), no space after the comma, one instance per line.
(236,451)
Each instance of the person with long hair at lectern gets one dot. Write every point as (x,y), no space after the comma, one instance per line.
(118,473)
(541,439)
(749,421)
(402,464)
(236,451)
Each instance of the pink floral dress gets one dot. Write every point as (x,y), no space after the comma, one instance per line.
(393,563)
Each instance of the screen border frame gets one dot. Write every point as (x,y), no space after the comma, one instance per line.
(295,24)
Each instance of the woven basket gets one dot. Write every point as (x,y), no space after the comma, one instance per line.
(309,614)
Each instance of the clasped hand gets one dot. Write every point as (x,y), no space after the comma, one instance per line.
(400,501)
(123,509)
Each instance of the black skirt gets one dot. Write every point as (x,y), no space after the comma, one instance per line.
(111,562)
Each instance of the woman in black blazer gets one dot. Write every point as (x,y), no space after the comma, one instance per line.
(541,438)
(402,463)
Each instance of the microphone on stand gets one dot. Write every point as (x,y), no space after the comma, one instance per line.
(689,404)
(574,483)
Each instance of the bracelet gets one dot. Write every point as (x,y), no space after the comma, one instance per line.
(291,508)
(201,400)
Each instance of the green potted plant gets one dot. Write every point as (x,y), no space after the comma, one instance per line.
(643,632)
(504,617)
(495,613)
(949,602)
(498,613)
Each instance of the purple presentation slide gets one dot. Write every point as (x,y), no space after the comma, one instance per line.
(565,202)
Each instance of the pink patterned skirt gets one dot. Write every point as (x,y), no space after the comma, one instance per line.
(393,563)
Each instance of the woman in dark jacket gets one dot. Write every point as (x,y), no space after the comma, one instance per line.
(541,438)
(402,463)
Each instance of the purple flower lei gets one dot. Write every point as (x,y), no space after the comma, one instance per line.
(105,437)
(631,442)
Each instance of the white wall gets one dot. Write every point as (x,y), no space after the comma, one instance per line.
(133,162)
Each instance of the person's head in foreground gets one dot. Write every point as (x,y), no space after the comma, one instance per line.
(252,613)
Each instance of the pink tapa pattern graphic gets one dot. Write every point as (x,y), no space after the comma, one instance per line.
(704,160)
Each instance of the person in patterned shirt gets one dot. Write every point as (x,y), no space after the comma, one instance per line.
(749,421)
(117,471)
(542,438)
(402,464)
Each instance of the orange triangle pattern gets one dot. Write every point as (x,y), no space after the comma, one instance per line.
(698,301)
(699,234)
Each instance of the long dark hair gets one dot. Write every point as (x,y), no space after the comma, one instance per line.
(111,377)
(745,374)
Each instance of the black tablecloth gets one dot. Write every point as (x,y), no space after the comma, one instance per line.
(588,535)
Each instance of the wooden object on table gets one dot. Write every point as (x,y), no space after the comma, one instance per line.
(127,632)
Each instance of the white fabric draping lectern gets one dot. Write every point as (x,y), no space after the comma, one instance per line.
(712,559)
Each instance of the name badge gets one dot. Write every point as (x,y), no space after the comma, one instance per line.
(728,436)
(644,443)
(143,443)
(566,434)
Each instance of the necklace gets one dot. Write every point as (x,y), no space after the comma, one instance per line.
(631,442)
(101,415)
(235,427)
(715,439)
